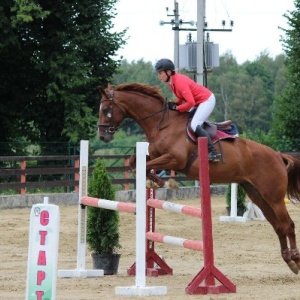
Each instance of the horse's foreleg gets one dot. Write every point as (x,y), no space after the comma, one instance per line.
(132,161)
(152,176)
(163,162)
(159,163)
(149,174)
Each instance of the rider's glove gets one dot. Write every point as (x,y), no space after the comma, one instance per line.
(172,105)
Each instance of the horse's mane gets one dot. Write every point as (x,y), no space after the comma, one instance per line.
(152,91)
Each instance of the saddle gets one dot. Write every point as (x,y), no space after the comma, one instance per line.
(216,130)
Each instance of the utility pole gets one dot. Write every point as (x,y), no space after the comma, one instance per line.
(176,36)
(200,40)
(176,23)
(201,28)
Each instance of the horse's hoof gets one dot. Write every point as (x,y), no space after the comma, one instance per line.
(293,266)
(151,185)
(297,262)
(171,184)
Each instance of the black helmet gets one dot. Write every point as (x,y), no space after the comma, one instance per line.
(164,64)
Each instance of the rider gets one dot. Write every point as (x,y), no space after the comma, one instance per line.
(189,95)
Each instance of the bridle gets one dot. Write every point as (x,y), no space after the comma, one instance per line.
(111,128)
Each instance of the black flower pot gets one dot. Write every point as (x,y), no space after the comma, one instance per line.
(109,263)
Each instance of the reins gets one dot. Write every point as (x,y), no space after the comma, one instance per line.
(163,111)
(112,128)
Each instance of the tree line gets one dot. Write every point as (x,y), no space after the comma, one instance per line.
(244,92)
(54,55)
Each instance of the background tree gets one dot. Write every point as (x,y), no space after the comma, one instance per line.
(13,76)
(221,81)
(286,108)
(64,50)
(140,71)
(245,92)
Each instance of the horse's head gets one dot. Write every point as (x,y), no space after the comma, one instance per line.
(111,114)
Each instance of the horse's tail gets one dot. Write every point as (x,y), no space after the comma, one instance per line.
(293,170)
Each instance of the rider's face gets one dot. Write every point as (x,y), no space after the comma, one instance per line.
(162,76)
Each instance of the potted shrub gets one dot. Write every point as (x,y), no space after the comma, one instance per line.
(241,200)
(103,224)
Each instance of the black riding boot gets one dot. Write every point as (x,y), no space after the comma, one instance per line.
(212,153)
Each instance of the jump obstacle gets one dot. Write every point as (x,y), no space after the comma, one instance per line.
(252,212)
(204,282)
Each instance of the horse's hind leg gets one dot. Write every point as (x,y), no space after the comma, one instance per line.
(282,224)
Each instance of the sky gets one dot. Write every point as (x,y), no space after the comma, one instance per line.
(255,27)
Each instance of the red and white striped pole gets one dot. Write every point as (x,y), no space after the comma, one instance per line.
(109,204)
(177,208)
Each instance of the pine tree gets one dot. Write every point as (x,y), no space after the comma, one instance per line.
(286,108)
(102,224)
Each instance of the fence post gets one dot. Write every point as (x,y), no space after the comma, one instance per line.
(126,173)
(23,177)
(76,176)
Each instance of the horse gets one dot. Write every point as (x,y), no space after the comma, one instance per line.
(266,176)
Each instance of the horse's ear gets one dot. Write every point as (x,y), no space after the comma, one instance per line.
(102,90)
(110,87)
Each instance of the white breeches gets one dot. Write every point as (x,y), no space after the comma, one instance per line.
(203,112)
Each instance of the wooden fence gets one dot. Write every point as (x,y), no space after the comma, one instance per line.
(28,174)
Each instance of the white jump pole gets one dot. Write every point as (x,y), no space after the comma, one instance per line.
(252,212)
(80,271)
(43,251)
(140,288)
(233,207)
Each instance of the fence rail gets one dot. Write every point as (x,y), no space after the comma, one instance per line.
(24,174)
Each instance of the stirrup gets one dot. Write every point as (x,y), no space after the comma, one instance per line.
(214,157)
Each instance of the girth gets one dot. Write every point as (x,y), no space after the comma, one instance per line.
(190,161)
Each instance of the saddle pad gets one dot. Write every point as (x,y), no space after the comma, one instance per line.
(220,135)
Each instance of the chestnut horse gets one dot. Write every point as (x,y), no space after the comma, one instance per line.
(266,175)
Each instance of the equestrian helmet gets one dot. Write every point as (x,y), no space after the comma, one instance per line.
(164,64)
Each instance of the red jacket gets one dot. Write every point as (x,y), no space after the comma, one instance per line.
(188,92)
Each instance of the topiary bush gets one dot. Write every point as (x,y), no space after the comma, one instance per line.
(102,224)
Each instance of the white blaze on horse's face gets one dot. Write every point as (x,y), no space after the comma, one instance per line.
(105,127)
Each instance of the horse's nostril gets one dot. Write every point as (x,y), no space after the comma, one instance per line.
(101,138)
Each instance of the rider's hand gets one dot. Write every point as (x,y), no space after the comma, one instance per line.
(172,106)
